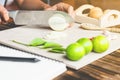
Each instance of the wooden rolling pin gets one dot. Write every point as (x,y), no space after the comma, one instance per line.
(93,27)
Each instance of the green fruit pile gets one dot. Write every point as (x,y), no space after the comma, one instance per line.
(84,46)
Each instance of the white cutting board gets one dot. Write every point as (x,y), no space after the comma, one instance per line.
(27,33)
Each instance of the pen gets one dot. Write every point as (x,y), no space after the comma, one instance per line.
(18,59)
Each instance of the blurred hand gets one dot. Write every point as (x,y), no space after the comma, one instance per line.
(63,7)
(3,14)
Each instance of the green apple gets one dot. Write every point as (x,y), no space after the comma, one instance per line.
(86,43)
(75,51)
(100,43)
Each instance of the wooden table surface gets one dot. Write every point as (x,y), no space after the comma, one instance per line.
(106,68)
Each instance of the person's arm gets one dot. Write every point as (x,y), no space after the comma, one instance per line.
(3,14)
(31,4)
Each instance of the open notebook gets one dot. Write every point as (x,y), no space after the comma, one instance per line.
(27,33)
(45,69)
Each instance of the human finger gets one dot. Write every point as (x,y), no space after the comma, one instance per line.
(4,13)
(71,11)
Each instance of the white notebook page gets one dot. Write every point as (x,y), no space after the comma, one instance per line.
(45,69)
